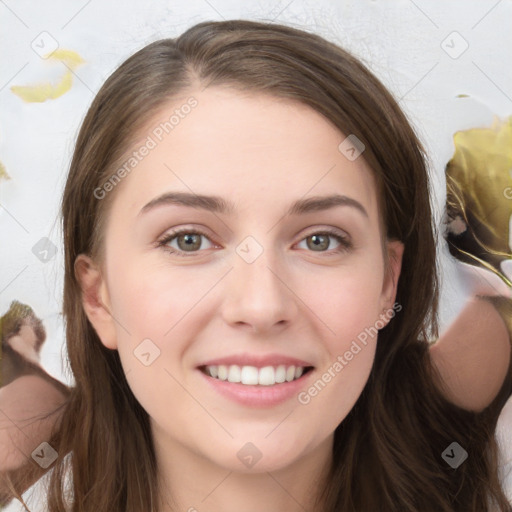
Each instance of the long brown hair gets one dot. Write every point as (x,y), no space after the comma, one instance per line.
(388,450)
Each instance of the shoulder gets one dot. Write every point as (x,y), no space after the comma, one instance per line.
(473,355)
(29,409)
(30,395)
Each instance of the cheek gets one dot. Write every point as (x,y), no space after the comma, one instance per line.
(150,300)
(347,300)
(152,304)
(348,304)
(350,309)
(332,395)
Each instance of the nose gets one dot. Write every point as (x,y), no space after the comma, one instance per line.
(259,295)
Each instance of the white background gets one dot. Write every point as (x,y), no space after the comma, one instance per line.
(400,40)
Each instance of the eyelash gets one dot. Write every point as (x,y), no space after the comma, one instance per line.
(345,244)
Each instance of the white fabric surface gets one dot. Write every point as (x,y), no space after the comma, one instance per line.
(504,438)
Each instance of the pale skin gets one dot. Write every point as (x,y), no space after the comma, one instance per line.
(263,155)
(257,141)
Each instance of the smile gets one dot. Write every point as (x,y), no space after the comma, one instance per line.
(253,376)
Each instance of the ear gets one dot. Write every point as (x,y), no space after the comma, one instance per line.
(395,250)
(95,300)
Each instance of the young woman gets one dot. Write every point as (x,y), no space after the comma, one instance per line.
(250,287)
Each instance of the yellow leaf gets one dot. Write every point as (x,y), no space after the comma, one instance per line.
(68,57)
(45,91)
(39,93)
(3,172)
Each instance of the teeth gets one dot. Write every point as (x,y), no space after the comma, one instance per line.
(222,372)
(249,375)
(280,374)
(234,373)
(252,376)
(267,376)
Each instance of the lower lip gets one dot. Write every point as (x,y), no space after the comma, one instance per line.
(257,396)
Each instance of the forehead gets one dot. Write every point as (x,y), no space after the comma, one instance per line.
(254,149)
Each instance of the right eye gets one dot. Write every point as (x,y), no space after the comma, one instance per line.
(185,238)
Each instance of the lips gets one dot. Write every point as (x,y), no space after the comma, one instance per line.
(257,384)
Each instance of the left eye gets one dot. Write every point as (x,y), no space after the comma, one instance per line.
(189,241)
(322,240)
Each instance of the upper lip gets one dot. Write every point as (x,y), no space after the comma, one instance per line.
(259,361)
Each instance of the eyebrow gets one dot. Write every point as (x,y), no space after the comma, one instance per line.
(220,205)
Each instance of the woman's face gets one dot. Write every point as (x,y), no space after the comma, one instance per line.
(253,288)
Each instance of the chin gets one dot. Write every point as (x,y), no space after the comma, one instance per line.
(258,455)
